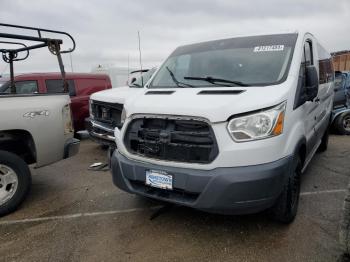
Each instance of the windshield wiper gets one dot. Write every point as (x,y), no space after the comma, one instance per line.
(177,82)
(214,80)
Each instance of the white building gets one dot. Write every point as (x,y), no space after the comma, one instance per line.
(119,75)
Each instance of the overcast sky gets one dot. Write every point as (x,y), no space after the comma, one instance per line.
(106,30)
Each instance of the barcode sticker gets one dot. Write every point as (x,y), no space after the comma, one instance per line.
(269,48)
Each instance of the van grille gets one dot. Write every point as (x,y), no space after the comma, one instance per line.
(108,113)
(190,141)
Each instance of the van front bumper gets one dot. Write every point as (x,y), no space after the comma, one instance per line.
(226,190)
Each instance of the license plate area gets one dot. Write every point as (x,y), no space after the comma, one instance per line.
(159,179)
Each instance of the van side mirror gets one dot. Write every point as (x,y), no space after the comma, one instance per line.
(133,80)
(311,80)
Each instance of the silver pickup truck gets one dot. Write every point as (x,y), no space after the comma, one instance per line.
(34,128)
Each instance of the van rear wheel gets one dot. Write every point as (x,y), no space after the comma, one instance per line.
(286,206)
(15,182)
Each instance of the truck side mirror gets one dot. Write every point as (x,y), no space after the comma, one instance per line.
(311,80)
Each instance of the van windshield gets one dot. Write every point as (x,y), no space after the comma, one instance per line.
(243,61)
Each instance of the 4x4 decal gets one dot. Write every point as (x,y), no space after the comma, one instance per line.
(36,113)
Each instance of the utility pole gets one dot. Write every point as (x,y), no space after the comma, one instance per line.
(138,33)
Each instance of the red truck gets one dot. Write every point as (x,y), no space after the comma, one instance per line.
(81,86)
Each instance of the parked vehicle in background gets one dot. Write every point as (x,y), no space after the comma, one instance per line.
(228,126)
(106,108)
(35,128)
(341,105)
(119,76)
(341,89)
(80,86)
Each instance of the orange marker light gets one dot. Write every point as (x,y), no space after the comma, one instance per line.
(279,125)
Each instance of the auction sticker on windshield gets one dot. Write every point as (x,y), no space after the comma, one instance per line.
(159,179)
(268,48)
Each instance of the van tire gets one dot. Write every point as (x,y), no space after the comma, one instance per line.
(340,123)
(24,180)
(286,206)
(324,142)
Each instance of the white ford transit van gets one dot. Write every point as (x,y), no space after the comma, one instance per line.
(229,126)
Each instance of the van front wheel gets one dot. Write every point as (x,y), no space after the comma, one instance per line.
(286,206)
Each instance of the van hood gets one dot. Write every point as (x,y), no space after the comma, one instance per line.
(116,95)
(216,106)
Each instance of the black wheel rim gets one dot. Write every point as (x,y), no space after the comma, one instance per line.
(346,123)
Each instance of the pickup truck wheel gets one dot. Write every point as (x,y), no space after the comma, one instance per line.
(286,206)
(342,123)
(15,182)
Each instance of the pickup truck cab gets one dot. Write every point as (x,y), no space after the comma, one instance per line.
(106,108)
(228,126)
(80,85)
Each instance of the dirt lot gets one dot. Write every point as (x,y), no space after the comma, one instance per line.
(73,214)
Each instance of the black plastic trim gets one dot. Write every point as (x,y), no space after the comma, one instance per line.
(220,92)
(160,92)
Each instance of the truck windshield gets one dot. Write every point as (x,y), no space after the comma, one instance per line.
(243,61)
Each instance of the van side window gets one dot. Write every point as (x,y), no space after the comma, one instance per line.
(325,65)
(55,86)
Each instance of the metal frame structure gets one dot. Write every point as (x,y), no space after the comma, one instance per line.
(38,41)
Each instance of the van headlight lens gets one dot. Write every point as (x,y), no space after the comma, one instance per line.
(259,125)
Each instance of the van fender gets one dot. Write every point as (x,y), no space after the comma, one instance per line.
(296,138)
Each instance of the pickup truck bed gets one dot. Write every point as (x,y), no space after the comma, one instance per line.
(34,129)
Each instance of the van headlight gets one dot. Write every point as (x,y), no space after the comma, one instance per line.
(259,125)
